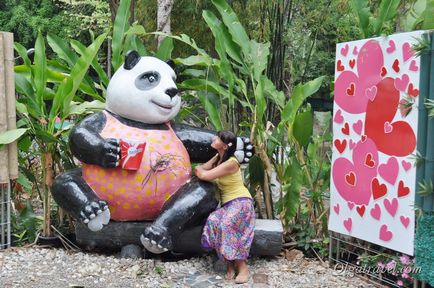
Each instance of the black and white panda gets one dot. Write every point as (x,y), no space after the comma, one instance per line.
(142,100)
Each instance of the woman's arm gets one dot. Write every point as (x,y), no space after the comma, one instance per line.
(208,165)
(226,168)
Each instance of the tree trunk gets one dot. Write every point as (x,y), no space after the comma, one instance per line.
(114,5)
(163,18)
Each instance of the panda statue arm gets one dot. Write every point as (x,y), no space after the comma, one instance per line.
(89,147)
(198,141)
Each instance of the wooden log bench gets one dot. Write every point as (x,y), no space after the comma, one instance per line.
(114,236)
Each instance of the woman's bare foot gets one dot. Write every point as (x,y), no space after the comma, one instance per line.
(243,272)
(230,270)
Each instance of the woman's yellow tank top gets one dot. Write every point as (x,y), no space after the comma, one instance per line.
(231,186)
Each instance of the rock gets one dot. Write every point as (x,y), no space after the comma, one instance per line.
(131,251)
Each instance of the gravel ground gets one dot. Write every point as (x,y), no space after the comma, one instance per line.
(54,268)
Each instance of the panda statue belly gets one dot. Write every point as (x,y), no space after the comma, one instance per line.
(140,194)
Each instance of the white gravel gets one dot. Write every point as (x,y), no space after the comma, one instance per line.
(53,268)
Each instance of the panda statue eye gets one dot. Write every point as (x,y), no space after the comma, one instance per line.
(147,80)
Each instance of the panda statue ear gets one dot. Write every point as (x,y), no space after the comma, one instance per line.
(171,63)
(131,59)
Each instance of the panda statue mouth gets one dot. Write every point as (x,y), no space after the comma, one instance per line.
(166,108)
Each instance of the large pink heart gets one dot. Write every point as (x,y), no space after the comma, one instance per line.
(370,61)
(353,179)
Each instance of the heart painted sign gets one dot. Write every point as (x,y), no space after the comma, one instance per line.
(373,177)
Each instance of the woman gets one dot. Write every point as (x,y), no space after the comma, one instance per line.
(229,229)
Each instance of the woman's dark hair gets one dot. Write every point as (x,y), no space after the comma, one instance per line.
(230,139)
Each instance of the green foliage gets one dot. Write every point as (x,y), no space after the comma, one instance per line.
(25,225)
(419,16)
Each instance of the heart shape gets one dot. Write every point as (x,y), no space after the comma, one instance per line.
(348,224)
(391,47)
(389,171)
(412,92)
(346,129)
(340,145)
(405,221)
(385,234)
(391,206)
(402,190)
(369,61)
(407,53)
(352,179)
(357,127)
(355,50)
(350,205)
(413,66)
(376,212)
(370,93)
(338,117)
(378,190)
(406,165)
(361,210)
(395,66)
(344,50)
(352,144)
(387,127)
(383,109)
(383,71)
(339,66)
(369,161)
(350,89)
(352,63)
(336,208)
(401,83)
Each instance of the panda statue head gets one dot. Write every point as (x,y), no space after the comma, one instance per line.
(144,90)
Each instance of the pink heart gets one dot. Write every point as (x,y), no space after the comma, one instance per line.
(338,117)
(352,144)
(413,66)
(344,50)
(405,221)
(348,224)
(391,207)
(407,53)
(376,212)
(350,205)
(357,127)
(355,50)
(391,47)
(370,93)
(369,61)
(385,234)
(387,127)
(389,171)
(336,208)
(406,165)
(360,192)
(401,83)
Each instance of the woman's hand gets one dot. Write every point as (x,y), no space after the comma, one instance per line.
(199,171)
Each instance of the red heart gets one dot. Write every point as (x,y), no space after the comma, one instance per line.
(411,91)
(350,90)
(402,190)
(350,178)
(395,65)
(369,161)
(378,190)
(346,129)
(400,139)
(340,145)
(352,63)
(383,71)
(361,210)
(339,66)
(364,138)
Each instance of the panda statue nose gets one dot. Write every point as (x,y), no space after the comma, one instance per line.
(172,92)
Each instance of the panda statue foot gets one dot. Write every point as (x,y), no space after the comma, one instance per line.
(156,239)
(95,215)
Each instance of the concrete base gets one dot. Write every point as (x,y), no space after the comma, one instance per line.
(114,236)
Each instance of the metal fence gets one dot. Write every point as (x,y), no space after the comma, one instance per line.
(5,215)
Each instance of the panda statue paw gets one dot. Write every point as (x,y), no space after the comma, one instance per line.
(110,153)
(95,215)
(156,239)
(244,150)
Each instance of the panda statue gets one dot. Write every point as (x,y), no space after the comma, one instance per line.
(142,99)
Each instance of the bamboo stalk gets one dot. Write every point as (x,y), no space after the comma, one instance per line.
(8,39)
(4,162)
